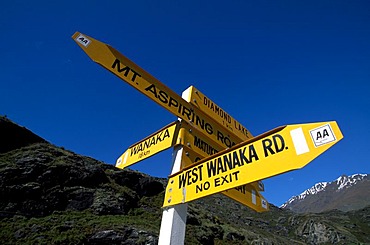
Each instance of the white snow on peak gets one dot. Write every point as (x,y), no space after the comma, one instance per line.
(318,187)
(346,181)
(342,182)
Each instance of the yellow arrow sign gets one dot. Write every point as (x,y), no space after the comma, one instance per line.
(200,147)
(247,195)
(169,136)
(275,152)
(131,73)
(153,144)
(216,112)
(194,140)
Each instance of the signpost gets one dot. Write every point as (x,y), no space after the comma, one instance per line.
(278,151)
(151,145)
(180,133)
(141,80)
(213,152)
(248,195)
(209,107)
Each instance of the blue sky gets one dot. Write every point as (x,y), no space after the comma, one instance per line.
(267,63)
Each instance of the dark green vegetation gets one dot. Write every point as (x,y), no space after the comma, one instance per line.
(49,195)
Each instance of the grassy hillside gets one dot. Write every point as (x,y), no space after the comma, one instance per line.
(49,195)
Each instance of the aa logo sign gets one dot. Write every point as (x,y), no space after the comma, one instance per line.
(322,135)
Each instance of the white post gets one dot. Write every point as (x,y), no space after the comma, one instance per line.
(173,224)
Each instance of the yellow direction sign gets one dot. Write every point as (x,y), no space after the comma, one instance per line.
(200,147)
(153,144)
(216,112)
(181,133)
(131,73)
(247,195)
(275,152)
(196,141)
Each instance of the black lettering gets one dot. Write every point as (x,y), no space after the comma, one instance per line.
(228,142)
(152,142)
(209,128)
(188,175)
(173,102)
(243,158)
(134,150)
(253,153)
(224,179)
(200,172)
(220,166)
(182,179)
(228,162)
(146,144)
(158,137)
(205,147)
(217,182)
(217,110)
(163,97)
(236,174)
(228,178)
(205,100)
(279,146)
(134,76)
(318,135)
(186,112)
(211,168)
(152,89)
(199,122)
(325,133)
(241,189)
(125,69)
(198,142)
(267,144)
(220,136)
(205,186)
(81,39)
(195,175)
(225,140)
(166,134)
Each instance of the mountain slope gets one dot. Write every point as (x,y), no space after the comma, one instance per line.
(345,193)
(49,195)
(14,136)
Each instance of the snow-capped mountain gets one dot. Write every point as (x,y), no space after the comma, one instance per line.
(346,182)
(345,193)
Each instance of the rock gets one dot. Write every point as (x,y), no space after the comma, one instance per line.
(109,202)
(142,184)
(233,236)
(125,236)
(107,237)
(316,232)
(148,186)
(80,198)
